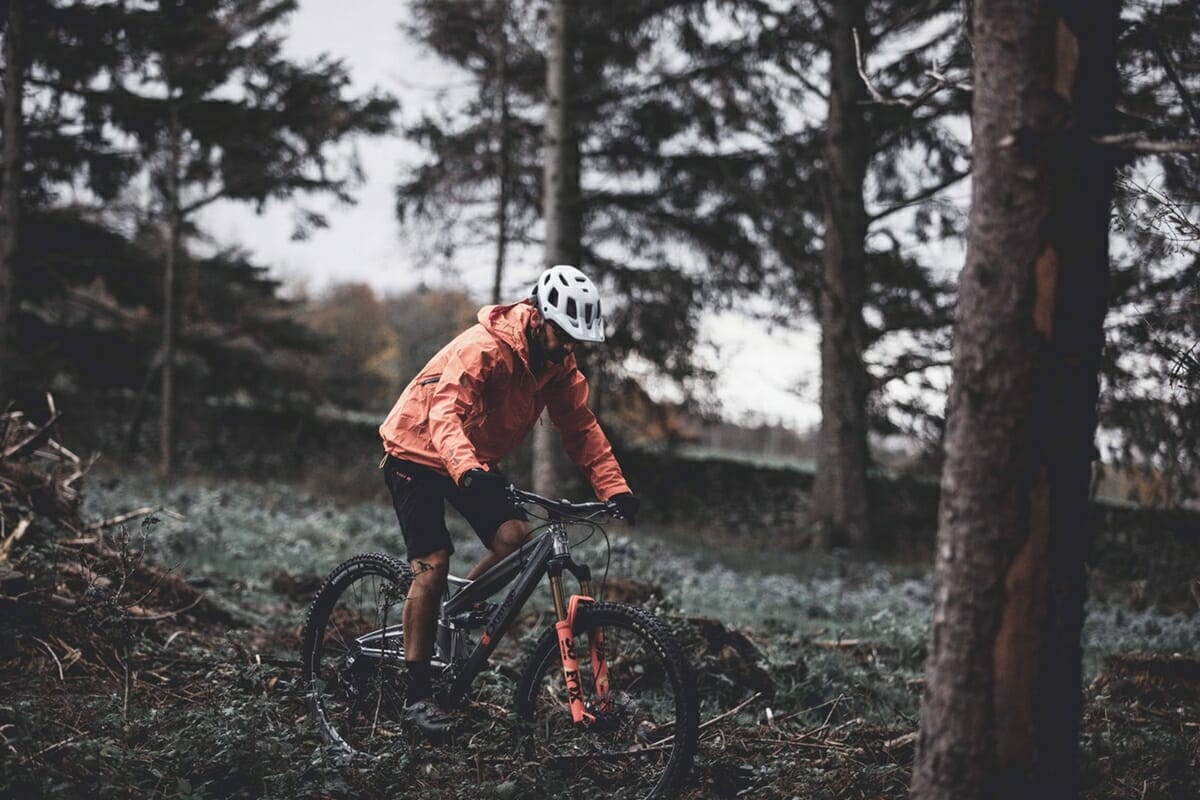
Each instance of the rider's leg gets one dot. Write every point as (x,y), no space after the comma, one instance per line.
(420,618)
(509,536)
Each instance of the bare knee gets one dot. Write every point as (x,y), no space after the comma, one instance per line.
(429,572)
(509,537)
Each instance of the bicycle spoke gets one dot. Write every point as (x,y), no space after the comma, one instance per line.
(359,661)
(624,745)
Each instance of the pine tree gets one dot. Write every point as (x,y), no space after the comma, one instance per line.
(1000,716)
(649,130)
(220,114)
(92,295)
(1149,405)
(845,200)
(561,211)
(54,143)
(702,184)
(10,200)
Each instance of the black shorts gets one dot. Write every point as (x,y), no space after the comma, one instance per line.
(419,495)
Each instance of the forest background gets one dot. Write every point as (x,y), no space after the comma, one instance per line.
(805,170)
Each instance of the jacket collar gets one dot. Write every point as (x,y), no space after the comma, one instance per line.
(508,323)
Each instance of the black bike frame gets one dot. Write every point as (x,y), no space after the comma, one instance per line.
(546,553)
(527,565)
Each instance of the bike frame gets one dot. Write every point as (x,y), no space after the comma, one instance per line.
(547,553)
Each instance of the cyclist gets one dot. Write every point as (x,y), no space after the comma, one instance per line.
(468,408)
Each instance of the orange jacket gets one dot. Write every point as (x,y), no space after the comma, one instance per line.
(477,399)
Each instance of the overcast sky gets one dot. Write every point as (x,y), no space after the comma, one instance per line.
(759,368)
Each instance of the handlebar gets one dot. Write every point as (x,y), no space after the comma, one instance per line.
(564,508)
(557,508)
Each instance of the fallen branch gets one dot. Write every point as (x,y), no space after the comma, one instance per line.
(141,615)
(838,644)
(13,538)
(900,741)
(137,512)
(53,655)
(33,441)
(715,719)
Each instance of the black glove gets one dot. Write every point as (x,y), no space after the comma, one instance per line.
(627,506)
(486,485)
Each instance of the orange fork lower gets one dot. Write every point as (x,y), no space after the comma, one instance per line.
(570,663)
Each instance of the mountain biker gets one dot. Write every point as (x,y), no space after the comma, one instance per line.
(468,408)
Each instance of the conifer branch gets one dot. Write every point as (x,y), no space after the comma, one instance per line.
(938,82)
(918,198)
(1138,143)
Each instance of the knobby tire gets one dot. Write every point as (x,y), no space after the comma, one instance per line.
(644,747)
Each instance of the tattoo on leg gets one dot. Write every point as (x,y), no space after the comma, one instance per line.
(421,567)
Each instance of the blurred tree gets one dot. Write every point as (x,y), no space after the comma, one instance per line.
(655,131)
(92,298)
(357,368)
(10,198)
(839,496)
(1149,405)
(560,197)
(424,320)
(705,173)
(1000,716)
(218,113)
(847,201)
(54,142)
(481,188)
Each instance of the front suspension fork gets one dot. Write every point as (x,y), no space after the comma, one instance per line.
(565,610)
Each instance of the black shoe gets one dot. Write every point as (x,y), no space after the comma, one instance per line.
(426,716)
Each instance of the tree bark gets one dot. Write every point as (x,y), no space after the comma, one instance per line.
(170,297)
(560,204)
(504,145)
(14,163)
(1000,716)
(839,495)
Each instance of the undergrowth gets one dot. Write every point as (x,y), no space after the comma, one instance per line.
(810,670)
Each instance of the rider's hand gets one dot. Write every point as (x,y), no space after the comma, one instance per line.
(483,483)
(627,505)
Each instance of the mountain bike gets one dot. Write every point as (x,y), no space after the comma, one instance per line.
(605,694)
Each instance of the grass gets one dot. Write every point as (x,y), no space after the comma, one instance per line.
(832,646)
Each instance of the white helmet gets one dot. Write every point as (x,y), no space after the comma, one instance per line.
(567,297)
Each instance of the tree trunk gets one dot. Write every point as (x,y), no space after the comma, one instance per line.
(560,205)
(839,495)
(133,434)
(1000,716)
(170,298)
(504,156)
(14,162)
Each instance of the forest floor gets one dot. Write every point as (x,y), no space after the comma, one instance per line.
(129,689)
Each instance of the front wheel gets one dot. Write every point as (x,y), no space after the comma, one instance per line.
(353,654)
(643,736)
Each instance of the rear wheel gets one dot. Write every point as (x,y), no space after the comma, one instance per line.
(643,739)
(353,654)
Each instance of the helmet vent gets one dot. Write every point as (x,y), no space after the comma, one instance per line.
(566,297)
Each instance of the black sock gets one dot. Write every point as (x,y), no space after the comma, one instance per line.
(420,681)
